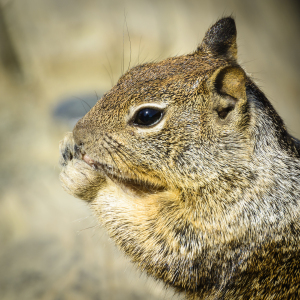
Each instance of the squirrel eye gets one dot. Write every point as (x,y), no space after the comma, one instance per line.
(147,116)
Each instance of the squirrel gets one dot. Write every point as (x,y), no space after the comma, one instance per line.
(194,175)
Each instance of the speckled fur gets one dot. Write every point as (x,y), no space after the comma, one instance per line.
(207,203)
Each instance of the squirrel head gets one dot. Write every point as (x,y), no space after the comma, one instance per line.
(163,124)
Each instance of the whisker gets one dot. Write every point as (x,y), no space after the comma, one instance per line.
(139,51)
(124,152)
(125,156)
(111,71)
(109,74)
(129,41)
(82,104)
(123,58)
(111,157)
(96,95)
(123,162)
(90,227)
(120,147)
(116,149)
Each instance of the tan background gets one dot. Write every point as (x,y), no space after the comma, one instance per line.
(51,50)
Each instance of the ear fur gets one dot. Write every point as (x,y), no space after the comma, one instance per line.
(230,84)
(220,39)
(231,81)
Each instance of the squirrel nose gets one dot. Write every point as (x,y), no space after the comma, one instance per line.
(79,133)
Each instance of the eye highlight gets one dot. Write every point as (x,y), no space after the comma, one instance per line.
(147,116)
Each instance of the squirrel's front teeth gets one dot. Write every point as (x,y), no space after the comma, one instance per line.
(88,160)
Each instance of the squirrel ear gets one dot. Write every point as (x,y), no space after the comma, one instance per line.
(220,39)
(230,84)
(231,81)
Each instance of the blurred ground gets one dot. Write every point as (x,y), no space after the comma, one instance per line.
(51,50)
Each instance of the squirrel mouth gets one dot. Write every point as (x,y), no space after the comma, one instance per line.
(134,185)
(88,160)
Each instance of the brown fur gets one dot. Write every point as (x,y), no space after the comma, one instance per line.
(208,198)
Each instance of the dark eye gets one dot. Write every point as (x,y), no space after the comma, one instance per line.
(148,116)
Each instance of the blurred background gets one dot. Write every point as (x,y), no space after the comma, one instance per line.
(57,57)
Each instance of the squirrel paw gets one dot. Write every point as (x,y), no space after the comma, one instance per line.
(66,149)
(77,177)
